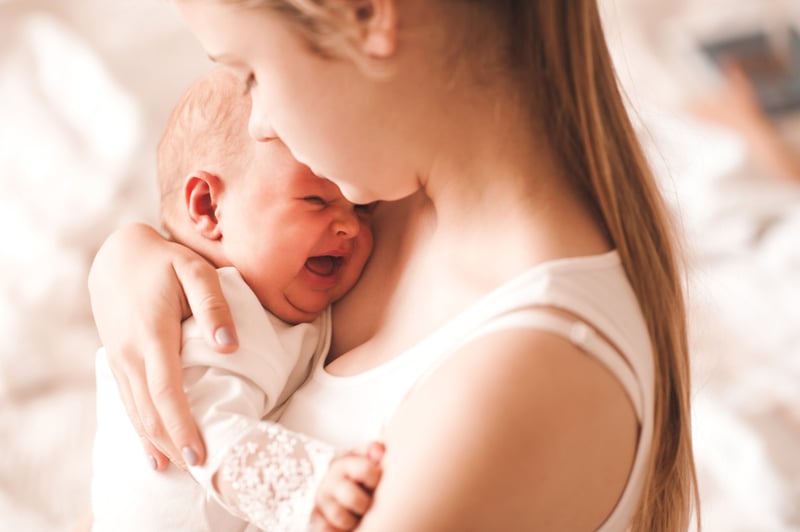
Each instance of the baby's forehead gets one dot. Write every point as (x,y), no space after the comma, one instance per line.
(275,164)
(310,184)
(308,179)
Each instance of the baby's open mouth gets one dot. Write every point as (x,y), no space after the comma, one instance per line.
(324,265)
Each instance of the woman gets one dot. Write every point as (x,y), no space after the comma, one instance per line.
(519,333)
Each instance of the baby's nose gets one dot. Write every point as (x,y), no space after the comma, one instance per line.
(346,223)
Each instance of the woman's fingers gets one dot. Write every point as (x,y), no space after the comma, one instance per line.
(155,458)
(146,418)
(172,428)
(138,306)
(206,303)
(204,300)
(142,287)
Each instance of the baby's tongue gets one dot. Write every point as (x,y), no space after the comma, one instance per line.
(321,265)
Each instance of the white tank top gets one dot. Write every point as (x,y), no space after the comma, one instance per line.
(349,411)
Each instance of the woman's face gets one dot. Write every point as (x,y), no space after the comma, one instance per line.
(334,118)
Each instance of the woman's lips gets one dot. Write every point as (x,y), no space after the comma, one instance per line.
(324,265)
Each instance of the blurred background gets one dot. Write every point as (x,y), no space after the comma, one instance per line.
(714,88)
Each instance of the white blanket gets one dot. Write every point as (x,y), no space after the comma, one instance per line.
(85,87)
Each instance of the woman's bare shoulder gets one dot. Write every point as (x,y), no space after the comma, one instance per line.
(520,430)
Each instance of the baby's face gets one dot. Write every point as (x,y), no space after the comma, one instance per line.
(295,239)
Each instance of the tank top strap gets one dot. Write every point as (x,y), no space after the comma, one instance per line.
(576,331)
(579,334)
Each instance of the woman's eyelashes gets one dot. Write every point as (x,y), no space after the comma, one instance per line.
(366,208)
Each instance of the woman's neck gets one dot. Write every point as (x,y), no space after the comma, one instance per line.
(498,192)
(493,204)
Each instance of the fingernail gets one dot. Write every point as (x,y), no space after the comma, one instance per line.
(375,452)
(153,462)
(189,455)
(224,336)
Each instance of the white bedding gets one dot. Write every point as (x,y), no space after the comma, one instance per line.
(85,86)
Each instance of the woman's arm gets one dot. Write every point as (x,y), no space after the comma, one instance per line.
(141,288)
(520,431)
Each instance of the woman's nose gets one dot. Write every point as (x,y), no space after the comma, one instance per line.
(346,224)
(259,126)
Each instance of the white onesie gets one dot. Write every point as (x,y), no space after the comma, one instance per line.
(228,394)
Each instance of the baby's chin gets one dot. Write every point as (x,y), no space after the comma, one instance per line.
(299,309)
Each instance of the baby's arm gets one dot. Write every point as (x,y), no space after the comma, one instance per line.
(130,496)
(264,473)
(345,493)
(270,476)
(255,468)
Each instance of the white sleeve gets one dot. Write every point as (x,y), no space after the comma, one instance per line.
(126,494)
(271,475)
(225,401)
(266,474)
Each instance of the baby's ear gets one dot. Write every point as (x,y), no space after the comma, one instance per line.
(201,192)
(379,22)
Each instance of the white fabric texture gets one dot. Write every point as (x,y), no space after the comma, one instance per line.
(595,288)
(229,395)
(272,475)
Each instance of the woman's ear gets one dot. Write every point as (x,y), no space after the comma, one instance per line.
(379,20)
(201,192)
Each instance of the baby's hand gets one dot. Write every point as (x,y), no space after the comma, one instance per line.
(345,494)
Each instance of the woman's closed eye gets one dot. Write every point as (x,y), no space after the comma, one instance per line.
(365,208)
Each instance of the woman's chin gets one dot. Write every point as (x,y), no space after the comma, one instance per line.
(354,194)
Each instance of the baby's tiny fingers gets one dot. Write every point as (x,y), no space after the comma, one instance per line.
(317,523)
(335,514)
(375,451)
(360,469)
(350,496)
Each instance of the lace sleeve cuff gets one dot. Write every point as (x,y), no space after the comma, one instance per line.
(270,476)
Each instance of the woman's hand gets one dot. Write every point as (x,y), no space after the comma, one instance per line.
(141,287)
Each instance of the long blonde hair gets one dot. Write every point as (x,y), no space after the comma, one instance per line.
(595,139)
(557,50)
